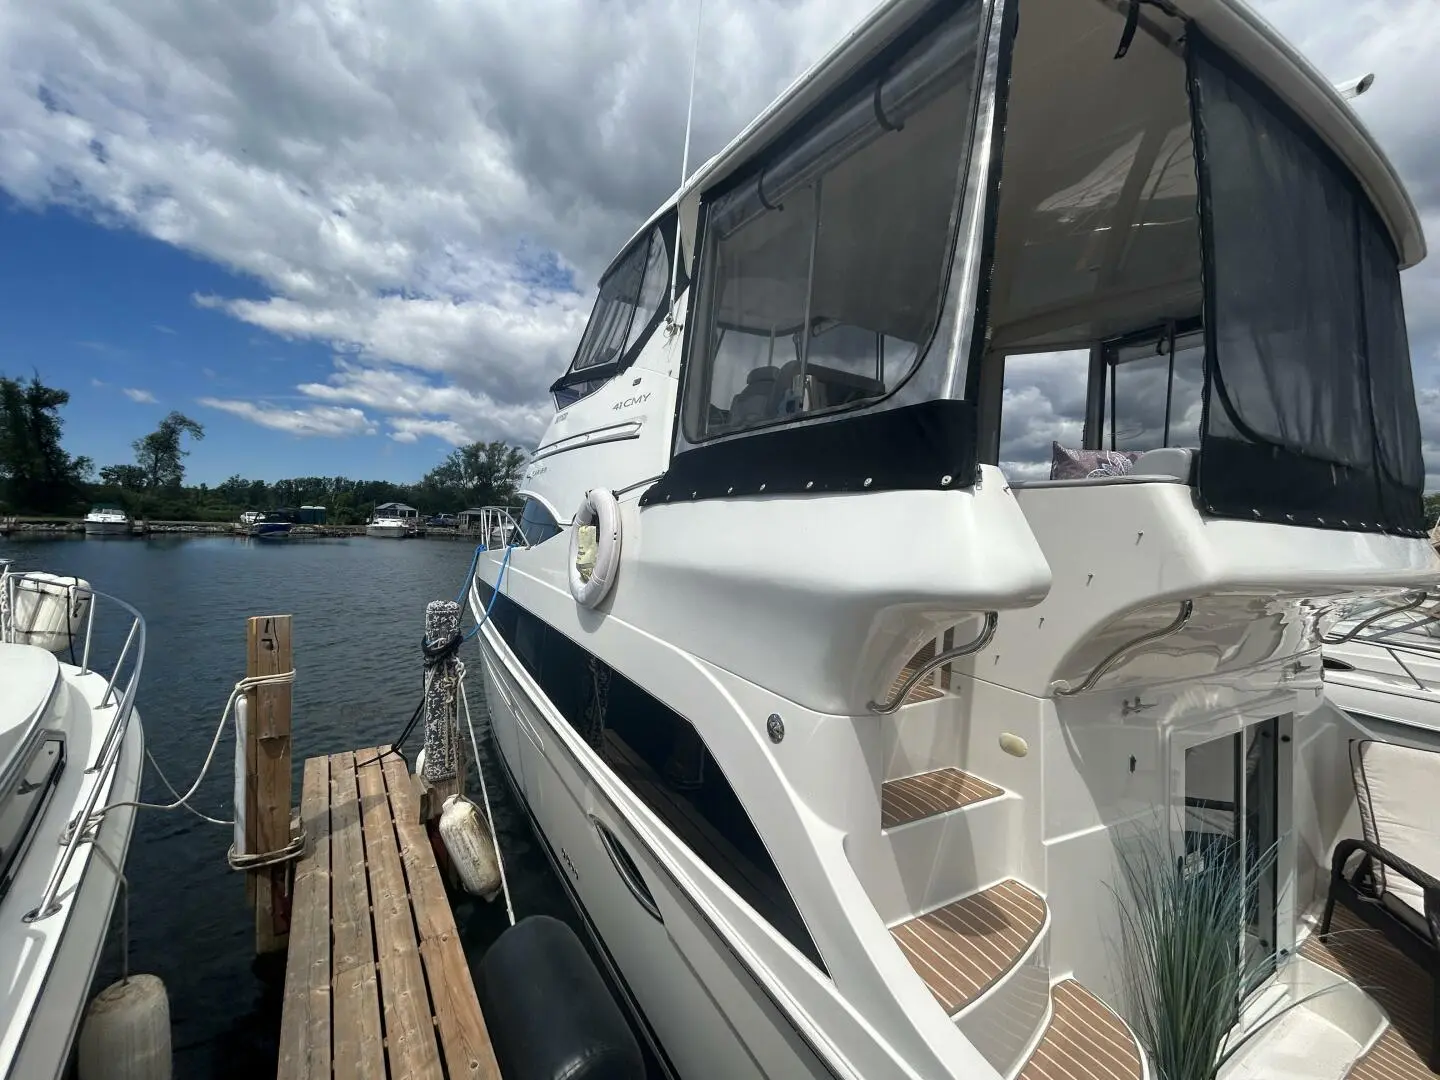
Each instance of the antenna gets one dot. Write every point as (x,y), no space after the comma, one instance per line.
(671,325)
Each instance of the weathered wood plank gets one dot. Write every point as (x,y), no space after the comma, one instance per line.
(410,1044)
(305,1019)
(268,652)
(463,1036)
(359,1051)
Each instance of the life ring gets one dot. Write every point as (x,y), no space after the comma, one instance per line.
(594,547)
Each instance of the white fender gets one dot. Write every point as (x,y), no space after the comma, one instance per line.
(594,547)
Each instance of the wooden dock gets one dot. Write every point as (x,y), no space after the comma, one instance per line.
(376,982)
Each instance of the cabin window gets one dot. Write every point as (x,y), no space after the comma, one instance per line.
(822,271)
(633,297)
(537,524)
(660,757)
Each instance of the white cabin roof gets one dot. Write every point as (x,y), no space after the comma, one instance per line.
(1231,24)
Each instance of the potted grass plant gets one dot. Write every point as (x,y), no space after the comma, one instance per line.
(1190,976)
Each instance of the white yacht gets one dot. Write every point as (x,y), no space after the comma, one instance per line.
(107,521)
(392,521)
(70,745)
(839,800)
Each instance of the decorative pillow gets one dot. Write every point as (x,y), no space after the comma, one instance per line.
(1067,464)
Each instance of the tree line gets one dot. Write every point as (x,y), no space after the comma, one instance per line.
(39,477)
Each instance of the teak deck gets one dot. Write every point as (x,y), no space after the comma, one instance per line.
(376,982)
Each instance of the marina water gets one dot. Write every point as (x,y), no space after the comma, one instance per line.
(358,608)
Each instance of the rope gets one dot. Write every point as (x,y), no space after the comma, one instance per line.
(494,595)
(183,801)
(292,850)
(485,794)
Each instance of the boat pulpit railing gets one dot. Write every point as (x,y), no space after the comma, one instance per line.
(118,701)
(499,528)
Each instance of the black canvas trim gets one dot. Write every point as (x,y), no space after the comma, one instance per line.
(928,446)
(568,675)
(1241,473)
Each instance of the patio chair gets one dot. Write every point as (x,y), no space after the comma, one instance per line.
(1386,879)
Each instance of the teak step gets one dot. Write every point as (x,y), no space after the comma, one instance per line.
(914,797)
(1085,1040)
(963,948)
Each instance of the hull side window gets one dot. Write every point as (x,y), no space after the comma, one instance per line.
(536,523)
(661,758)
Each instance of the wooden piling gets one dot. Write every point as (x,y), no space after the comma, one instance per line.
(267,777)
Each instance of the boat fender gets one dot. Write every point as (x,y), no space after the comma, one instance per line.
(420,762)
(470,846)
(548,1011)
(126,1032)
(597,523)
(50,610)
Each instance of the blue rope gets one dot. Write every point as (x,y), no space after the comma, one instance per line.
(495,595)
(470,576)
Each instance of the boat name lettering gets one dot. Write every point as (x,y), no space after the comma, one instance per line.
(629,402)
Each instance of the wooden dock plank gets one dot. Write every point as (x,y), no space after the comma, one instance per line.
(358,1039)
(305,1020)
(410,1044)
(463,1036)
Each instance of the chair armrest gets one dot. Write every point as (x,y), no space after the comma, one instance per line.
(1428,884)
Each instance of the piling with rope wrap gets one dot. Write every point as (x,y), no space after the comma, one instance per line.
(443,772)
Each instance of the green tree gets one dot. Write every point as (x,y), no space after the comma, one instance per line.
(129,477)
(36,473)
(479,474)
(160,454)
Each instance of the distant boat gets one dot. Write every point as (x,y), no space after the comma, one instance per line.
(388,528)
(273,525)
(392,521)
(107,521)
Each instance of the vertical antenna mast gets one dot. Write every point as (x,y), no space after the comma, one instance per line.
(670,323)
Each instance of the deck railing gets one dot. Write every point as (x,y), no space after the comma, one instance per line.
(127,667)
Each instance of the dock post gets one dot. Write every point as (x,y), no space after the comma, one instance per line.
(267,777)
(444,773)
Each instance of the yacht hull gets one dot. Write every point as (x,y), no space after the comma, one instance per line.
(58,955)
(387,532)
(691,997)
(107,528)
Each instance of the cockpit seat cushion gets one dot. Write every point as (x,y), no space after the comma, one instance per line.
(753,403)
(1176,461)
(1068,464)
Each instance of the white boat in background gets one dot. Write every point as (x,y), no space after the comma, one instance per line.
(107,521)
(1383,664)
(852,802)
(388,528)
(71,744)
(392,521)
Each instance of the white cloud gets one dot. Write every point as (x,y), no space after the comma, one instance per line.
(418,186)
(404,429)
(143,397)
(323,420)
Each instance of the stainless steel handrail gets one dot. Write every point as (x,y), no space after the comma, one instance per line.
(992,619)
(500,518)
(1187,608)
(1384,613)
(108,755)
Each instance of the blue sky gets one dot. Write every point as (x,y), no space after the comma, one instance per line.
(346,235)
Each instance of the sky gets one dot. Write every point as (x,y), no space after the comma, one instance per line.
(346,235)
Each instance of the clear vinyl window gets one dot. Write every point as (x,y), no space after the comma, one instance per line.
(822,275)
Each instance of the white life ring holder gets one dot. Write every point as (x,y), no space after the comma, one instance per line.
(600,508)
